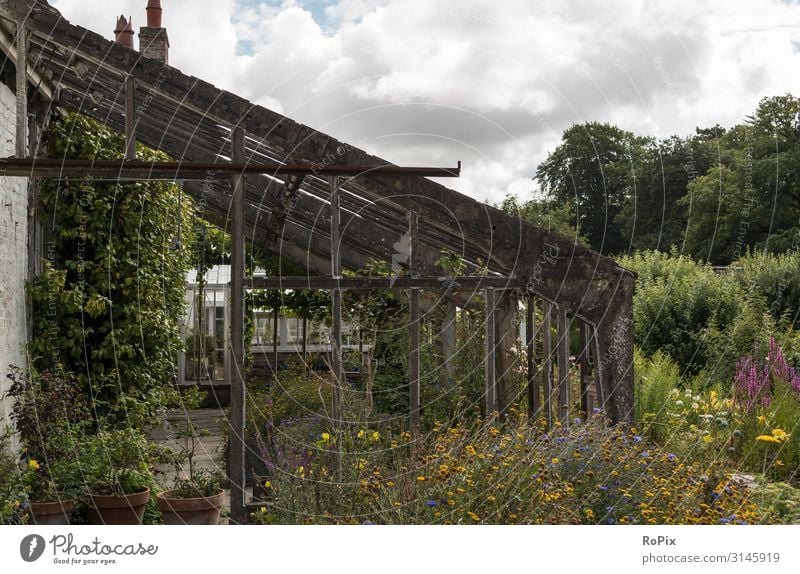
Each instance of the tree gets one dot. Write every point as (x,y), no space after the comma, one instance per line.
(652,216)
(593,169)
(718,216)
(547,214)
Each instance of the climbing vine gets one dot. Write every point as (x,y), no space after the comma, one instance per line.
(109,299)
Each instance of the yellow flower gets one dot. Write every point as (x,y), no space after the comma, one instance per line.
(767,438)
(268,484)
(707,438)
(360,434)
(779,434)
(491,498)
(474,516)
(33,465)
(421,478)
(761,420)
(470,450)
(375,436)
(554,460)
(326,437)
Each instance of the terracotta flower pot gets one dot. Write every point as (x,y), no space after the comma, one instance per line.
(51,513)
(111,509)
(204,510)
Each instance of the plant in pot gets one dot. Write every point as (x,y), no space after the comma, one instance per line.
(50,484)
(196,496)
(49,413)
(13,507)
(115,465)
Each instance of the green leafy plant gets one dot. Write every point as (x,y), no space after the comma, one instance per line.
(189,480)
(113,284)
(50,415)
(116,462)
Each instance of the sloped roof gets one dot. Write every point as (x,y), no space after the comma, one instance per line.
(191,120)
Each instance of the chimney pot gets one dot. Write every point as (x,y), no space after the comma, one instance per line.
(154,13)
(124,32)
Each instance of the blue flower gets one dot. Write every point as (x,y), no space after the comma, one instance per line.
(431,503)
(367,523)
(645,454)
(671,456)
(637,438)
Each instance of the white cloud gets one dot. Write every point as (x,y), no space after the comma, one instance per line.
(490,83)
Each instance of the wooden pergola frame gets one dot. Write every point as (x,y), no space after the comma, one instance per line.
(325,205)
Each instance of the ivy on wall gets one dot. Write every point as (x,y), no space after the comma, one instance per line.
(108,302)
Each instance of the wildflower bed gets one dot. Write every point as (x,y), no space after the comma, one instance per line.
(514,473)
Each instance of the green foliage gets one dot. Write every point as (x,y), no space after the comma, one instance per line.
(651,215)
(655,379)
(778,502)
(715,203)
(676,302)
(116,462)
(109,300)
(553,216)
(778,460)
(198,482)
(12,490)
(593,169)
(776,279)
(292,394)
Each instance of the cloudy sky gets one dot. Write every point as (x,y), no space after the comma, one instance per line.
(492,83)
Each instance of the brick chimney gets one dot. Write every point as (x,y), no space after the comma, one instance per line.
(153,41)
(124,32)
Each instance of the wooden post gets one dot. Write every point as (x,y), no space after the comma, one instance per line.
(336,308)
(22,92)
(413,331)
(237,383)
(305,342)
(547,361)
(600,398)
(276,309)
(563,365)
(130,118)
(534,399)
(490,390)
(583,362)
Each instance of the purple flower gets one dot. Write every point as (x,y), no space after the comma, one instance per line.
(367,523)
(637,438)
(671,457)
(431,503)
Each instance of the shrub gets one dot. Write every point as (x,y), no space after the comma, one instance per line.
(776,279)
(676,302)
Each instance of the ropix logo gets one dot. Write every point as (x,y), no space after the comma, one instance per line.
(31,548)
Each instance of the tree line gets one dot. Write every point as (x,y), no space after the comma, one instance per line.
(713,195)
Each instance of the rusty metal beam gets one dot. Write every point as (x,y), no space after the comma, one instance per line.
(149,170)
